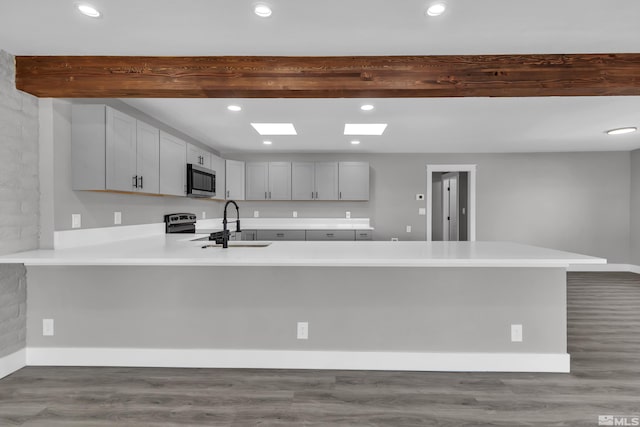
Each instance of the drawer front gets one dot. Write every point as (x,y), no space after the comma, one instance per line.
(280,235)
(342,235)
(364,235)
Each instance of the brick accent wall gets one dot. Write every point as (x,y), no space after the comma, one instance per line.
(19,200)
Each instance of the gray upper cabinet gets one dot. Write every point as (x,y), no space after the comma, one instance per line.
(268,180)
(314,180)
(173,165)
(326,179)
(279,180)
(303,185)
(257,180)
(218,166)
(111,150)
(353,180)
(120,151)
(198,156)
(235,180)
(148,158)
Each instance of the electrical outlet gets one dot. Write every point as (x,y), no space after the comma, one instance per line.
(47,327)
(204,215)
(256,214)
(76,220)
(295,214)
(408,229)
(395,239)
(348,215)
(422,211)
(303,330)
(516,333)
(117,218)
(419,196)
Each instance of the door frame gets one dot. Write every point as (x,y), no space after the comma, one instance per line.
(471,205)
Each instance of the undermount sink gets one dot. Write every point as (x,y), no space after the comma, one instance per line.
(238,244)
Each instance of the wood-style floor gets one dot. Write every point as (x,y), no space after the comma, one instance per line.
(604,342)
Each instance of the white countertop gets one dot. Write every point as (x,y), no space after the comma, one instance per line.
(179,250)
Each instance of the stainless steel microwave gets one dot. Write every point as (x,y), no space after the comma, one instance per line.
(201,182)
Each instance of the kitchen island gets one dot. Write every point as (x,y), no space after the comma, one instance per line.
(167,301)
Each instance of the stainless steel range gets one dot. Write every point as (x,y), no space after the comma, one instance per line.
(180,223)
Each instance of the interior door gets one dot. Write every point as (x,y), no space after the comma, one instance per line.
(450,206)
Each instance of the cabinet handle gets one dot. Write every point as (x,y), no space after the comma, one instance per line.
(227,194)
(340,197)
(316,195)
(265,195)
(269,195)
(312,195)
(135,181)
(329,234)
(141,182)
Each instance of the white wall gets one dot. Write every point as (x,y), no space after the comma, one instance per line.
(570,201)
(635,207)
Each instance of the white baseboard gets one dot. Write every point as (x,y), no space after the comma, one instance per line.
(12,362)
(276,359)
(604,267)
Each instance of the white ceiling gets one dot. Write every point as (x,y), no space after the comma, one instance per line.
(356,27)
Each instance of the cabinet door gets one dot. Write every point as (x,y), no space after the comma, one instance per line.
(257,180)
(120,151)
(207,159)
(353,180)
(194,155)
(280,181)
(218,166)
(326,181)
(173,165)
(235,180)
(148,158)
(303,181)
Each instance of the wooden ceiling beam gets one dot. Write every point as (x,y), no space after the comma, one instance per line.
(329,77)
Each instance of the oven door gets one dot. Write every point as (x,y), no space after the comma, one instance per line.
(201,182)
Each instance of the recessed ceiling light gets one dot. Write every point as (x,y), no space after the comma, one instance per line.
(621,131)
(366,107)
(436,9)
(355,142)
(274,128)
(364,128)
(262,10)
(88,10)
(234,108)
(267,142)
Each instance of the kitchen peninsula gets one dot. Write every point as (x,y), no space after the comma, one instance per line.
(164,300)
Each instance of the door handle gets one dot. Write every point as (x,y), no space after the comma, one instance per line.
(135,181)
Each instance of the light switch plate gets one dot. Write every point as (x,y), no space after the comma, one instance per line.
(47,327)
(295,214)
(348,214)
(76,220)
(117,218)
(516,333)
(204,215)
(408,229)
(422,211)
(256,214)
(303,330)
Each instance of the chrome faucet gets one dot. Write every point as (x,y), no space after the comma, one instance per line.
(225,232)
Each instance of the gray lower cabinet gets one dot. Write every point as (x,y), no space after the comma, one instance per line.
(341,235)
(249,235)
(353,180)
(280,235)
(364,235)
